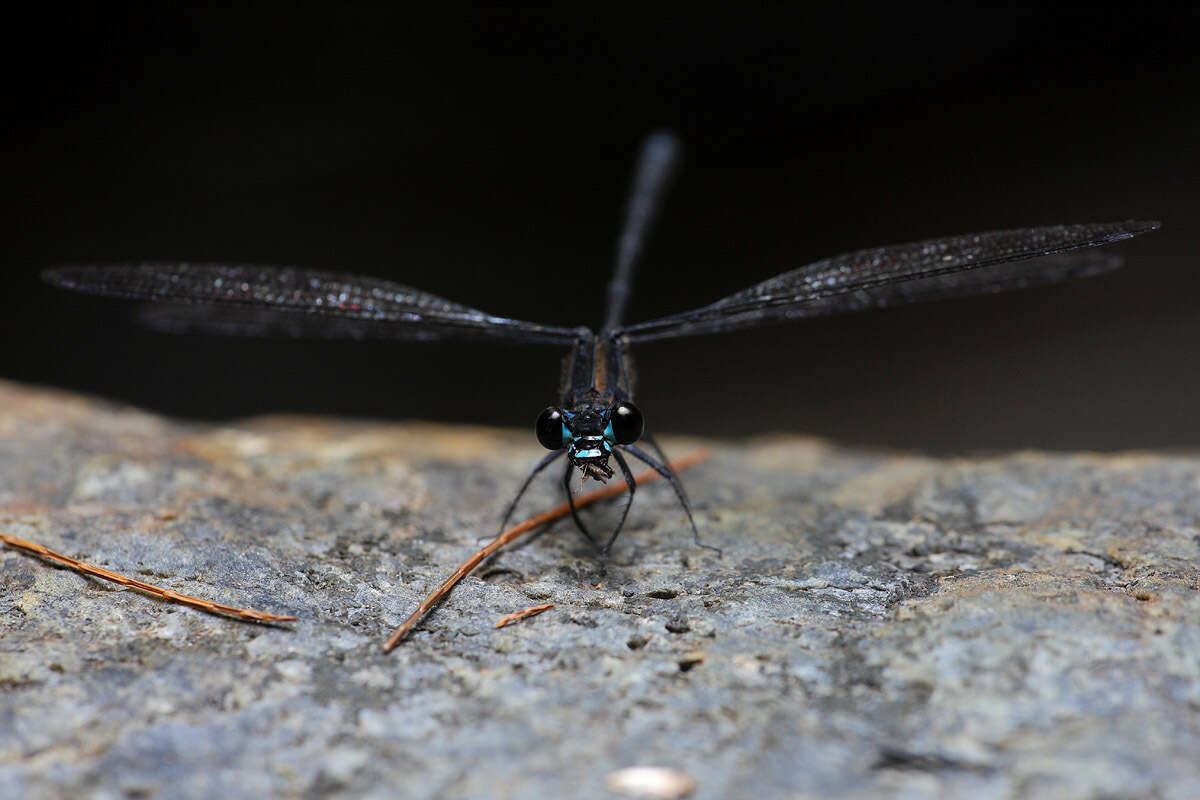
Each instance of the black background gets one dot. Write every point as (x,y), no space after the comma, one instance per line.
(485,157)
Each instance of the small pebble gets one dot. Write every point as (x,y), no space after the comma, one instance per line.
(659,783)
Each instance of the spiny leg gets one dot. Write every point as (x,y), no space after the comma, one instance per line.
(541,465)
(673,479)
(632,484)
(571,502)
(650,440)
(665,463)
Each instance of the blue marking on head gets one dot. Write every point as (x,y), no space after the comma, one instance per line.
(608,433)
(588,453)
(567,436)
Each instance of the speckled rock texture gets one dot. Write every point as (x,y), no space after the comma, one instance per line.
(881,624)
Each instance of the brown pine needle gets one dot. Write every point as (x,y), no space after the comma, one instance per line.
(150,589)
(517,616)
(558,512)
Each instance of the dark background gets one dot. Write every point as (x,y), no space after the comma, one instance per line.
(486,157)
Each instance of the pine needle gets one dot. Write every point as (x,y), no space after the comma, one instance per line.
(150,589)
(515,532)
(517,616)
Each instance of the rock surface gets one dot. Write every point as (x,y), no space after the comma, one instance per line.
(881,624)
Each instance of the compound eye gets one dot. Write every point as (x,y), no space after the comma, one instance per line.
(549,429)
(627,423)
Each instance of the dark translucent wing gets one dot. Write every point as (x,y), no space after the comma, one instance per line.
(289,301)
(213,320)
(886,276)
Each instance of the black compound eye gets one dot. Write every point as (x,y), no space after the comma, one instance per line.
(627,423)
(549,429)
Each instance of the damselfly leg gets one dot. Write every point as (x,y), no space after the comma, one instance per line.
(662,469)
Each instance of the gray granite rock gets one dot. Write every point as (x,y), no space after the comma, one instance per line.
(881,624)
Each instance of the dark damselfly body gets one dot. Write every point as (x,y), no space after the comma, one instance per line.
(595,421)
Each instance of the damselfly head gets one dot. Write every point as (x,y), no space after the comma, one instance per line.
(589,451)
(589,433)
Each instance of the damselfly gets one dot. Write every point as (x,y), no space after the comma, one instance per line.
(595,421)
